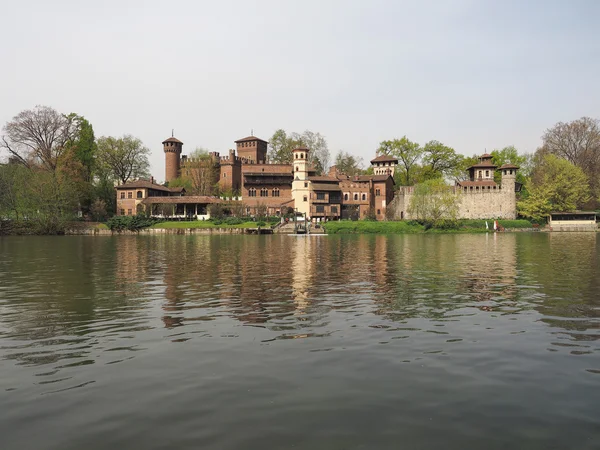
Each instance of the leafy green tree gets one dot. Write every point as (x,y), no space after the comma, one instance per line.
(556,185)
(440,158)
(199,174)
(348,164)
(510,155)
(579,143)
(84,144)
(433,201)
(408,154)
(122,159)
(281,146)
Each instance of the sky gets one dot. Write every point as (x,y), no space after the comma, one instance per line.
(474,74)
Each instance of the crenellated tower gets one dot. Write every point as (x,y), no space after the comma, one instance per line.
(172,148)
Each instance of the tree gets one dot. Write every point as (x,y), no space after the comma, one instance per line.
(319,151)
(407,152)
(200,173)
(510,155)
(347,164)
(39,137)
(556,185)
(440,158)
(433,202)
(579,143)
(122,159)
(84,144)
(281,145)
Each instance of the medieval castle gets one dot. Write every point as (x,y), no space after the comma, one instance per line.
(280,188)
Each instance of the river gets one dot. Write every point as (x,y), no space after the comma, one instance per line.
(458,341)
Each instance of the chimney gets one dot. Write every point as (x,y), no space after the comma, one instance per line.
(152,180)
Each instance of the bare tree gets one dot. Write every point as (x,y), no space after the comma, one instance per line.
(122,159)
(201,170)
(39,136)
(579,143)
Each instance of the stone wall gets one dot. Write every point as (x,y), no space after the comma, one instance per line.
(483,204)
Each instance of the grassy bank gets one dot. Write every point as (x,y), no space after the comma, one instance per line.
(395,227)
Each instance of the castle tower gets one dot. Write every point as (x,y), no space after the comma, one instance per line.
(483,170)
(252,149)
(172,147)
(509,177)
(384,165)
(300,185)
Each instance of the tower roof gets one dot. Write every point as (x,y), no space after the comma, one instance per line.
(508,166)
(384,158)
(172,139)
(304,149)
(250,138)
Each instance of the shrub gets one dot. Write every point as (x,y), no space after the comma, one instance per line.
(129,223)
(260,224)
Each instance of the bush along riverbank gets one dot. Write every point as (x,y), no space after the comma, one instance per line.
(411,226)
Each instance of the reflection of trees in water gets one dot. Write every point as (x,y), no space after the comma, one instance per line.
(566,268)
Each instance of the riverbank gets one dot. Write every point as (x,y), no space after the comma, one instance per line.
(395,227)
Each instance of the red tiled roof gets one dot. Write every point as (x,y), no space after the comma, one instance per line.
(323,178)
(325,187)
(145,184)
(508,166)
(249,138)
(483,165)
(385,158)
(172,139)
(181,199)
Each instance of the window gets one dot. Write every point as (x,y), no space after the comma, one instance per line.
(334,210)
(139,194)
(129,212)
(377,192)
(487,173)
(306,184)
(364,196)
(224,175)
(301,155)
(345,196)
(320,208)
(122,194)
(305,199)
(320,195)
(355,196)
(264,192)
(378,211)
(296,168)
(130,195)
(275,192)
(122,212)
(510,171)
(251,192)
(479,174)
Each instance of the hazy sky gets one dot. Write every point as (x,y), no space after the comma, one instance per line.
(473,74)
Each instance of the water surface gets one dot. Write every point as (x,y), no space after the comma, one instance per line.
(325,342)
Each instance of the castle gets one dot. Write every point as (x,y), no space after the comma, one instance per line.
(479,197)
(276,189)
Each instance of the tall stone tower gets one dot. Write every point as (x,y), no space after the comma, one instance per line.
(301,183)
(172,147)
(252,149)
(509,177)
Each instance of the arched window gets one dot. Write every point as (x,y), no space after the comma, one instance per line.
(345,196)
(296,168)
(275,192)
(264,192)
(355,196)
(364,196)
(139,194)
(252,192)
(301,155)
